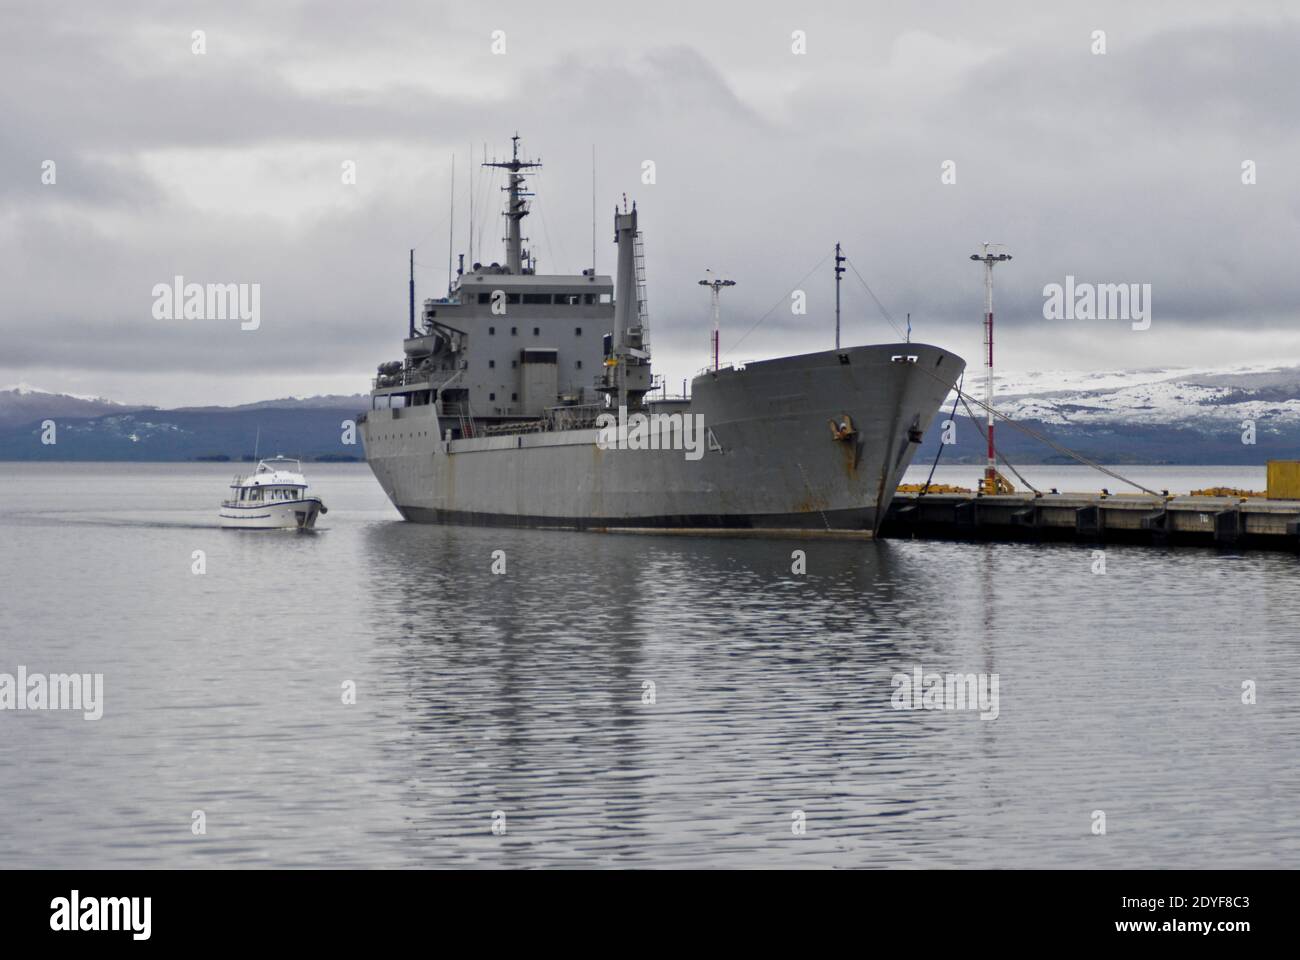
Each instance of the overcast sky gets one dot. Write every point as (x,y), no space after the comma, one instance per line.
(225,167)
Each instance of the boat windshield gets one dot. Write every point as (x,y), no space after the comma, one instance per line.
(263,492)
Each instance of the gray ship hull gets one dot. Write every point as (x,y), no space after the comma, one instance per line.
(771,461)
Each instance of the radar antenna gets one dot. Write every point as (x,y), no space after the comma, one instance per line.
(516,205)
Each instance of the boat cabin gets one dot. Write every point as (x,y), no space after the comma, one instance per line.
(275,480)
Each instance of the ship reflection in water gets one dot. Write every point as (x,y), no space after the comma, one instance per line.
(521,699)
(524,694)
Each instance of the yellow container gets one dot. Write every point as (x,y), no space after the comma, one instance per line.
(1284,479)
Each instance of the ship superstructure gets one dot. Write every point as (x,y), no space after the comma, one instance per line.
(528,399)
(546,347)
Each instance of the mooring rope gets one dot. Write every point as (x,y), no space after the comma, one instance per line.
(1060,448)
(984,433)
(784,298)
(883,312)
(964,397)
(938,453)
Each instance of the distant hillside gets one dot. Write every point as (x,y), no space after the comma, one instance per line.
(1117,443)
(1175,416)
(310,428)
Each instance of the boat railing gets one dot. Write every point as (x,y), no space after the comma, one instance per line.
(460,413)
(575,416)
(263,466)
(412,375)
(235,484)
(515,427)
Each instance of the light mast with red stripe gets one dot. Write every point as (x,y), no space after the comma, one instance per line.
(993,481)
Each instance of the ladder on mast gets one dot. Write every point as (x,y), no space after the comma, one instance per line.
(642,310)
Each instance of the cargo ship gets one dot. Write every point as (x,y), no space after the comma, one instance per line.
(526,399)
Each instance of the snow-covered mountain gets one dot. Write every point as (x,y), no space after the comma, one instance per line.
(324,401)
(1166,415)
(22,403)
(1171,415)
(1267,393)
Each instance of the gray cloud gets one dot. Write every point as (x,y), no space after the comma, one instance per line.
(225,168)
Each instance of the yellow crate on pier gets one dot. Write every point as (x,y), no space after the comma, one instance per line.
(1284,479)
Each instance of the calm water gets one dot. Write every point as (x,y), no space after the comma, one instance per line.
(522,692)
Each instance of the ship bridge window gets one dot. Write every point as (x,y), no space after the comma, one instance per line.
(485,298)
(605,298)
(588,298)
(537,298)
(567,299)
(512,298)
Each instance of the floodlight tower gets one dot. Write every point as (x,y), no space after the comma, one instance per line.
(715,288)
(988,258)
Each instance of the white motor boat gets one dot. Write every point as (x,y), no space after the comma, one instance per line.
(273,497)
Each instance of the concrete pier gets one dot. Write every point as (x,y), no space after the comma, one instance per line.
(1096,517)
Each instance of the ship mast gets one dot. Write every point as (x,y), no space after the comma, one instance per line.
(839,272)
(626,378)
(516,205)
